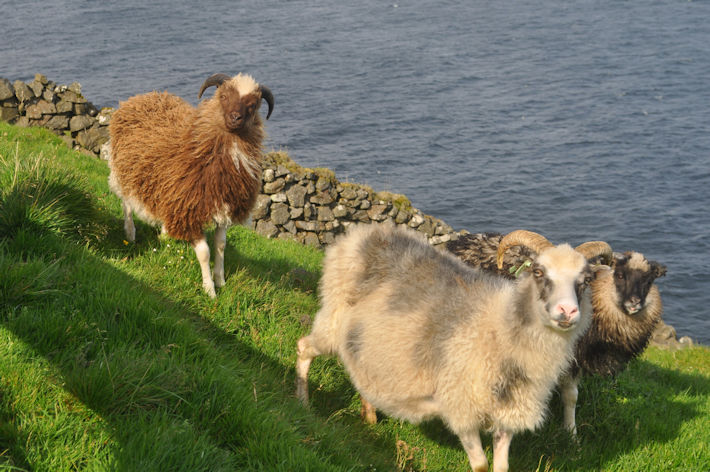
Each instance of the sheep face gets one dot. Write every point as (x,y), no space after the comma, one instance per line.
(239,99)
(560,276)
(633,278)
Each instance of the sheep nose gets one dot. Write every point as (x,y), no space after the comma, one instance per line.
(235,116)
(568,310)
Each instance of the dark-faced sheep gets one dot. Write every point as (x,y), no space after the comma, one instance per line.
(626,303)
(184,167)
(422,335)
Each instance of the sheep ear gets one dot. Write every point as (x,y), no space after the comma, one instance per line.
(269,97)
(659,270)
(214,79)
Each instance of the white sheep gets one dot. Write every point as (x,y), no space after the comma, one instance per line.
(421,334)
(626,304)
(184,167)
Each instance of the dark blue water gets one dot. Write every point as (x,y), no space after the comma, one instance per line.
(581,120)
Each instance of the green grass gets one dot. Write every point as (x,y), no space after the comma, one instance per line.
(112,357)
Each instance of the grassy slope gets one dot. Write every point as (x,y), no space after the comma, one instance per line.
(112,358)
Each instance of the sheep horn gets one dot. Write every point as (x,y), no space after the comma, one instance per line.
(592,249)
(214,79)
(533,241)
(269,97)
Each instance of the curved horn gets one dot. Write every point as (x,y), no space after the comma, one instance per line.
(214,79)
(533,241)
(592,249)
(269,97)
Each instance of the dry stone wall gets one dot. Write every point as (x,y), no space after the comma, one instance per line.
(59,108)
(306,205)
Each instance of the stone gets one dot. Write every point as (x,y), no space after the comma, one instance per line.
(268,175)
(104,116)
(296,196)
(436,240)
(377,212)
(362,194)
(415,221)
(72,96)
(41,78)
(22,91)
(279,198)
(58,122)
(93,138)
(427,227)
(402,217)
(37,88)
(290,226)
(22,122)
(325,214)
(6,89)
(311,239)
(9,114)
(322,198)
(64,106)
(307,211)
(40,108)
(348,193)
(281,170)
(78,123)
(296,213)
(48,95)
(323,184)
(340,211)
(365,205)
(361,215)
(327,238)
(279,213)
(306,225)
(275,186)
(266,228)
(261,207)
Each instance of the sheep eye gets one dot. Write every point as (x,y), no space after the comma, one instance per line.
(619,275)
(538,273)
(587,280)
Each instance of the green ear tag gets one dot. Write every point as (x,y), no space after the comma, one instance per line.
(517,270)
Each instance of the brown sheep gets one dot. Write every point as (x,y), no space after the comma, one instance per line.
(184,167)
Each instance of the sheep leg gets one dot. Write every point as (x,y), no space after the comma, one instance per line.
(471,442)
(368,412)
(128,225)
(202,250)
(501,444)
(569,393)
(306,352)
(220,242)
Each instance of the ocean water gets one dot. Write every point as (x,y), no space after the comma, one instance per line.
(580,120)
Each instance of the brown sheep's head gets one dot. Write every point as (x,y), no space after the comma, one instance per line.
(633,277)
(240,98)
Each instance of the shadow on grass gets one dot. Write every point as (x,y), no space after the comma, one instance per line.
(177,392)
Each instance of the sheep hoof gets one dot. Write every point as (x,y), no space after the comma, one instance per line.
(211,292)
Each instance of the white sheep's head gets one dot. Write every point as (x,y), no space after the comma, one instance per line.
(560,275)
(633,278)
(239,97)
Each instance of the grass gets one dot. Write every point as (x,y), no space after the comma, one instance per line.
(112,357)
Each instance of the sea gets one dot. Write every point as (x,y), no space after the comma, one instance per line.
(580,120)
